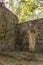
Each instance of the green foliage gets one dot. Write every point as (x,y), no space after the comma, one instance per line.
(11,4)
(25,10)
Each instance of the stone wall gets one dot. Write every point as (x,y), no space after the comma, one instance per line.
(22,32)
(16,36)
(22,36)
(8,22)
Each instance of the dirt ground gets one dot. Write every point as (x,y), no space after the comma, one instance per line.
(10,60)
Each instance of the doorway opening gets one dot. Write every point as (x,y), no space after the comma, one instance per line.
(32,40)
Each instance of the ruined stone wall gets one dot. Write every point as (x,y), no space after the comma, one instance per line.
(8,22)
(22,36)
(22,32)
(16,36)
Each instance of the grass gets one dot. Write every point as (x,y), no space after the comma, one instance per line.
(22,58)
(20,55)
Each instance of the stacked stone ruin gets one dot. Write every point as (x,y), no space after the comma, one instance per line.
(24,29)
(8,23)
(14,36)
